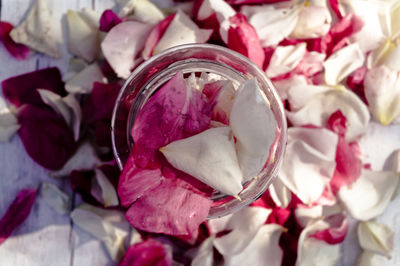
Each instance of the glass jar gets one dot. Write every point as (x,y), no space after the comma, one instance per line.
(153,73)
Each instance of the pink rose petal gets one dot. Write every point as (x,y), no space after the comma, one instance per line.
(46,136)
(334,5)
(16,50)
(243,38)
(355,82)
(22,89)
(246,2)
(108,20)
(149,252)
(17,213)
(174,208)
(134,182)
(174,112)
(337,231)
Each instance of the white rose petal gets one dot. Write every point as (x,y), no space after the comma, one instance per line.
(103,190)
(368,258)
(280,194)
(55,198)
(36,31)
(263,248)
(181,30)
(254,126)
(376,237)
(273,24)
(109,226)
(300,94)
(122,44)
(244,225)
(285,59)
(85,158)
(204,255)
(342,63)
(313,22)
(321,106)
(369,195)
(83,38)
(142,10)
(283,86)
(222,9)
(83,81)
(382,90)
(209,156)
(307,155)
(393,60)
(8,124)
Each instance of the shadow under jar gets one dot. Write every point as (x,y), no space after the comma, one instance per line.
(196,58)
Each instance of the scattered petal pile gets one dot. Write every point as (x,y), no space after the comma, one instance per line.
(335,65)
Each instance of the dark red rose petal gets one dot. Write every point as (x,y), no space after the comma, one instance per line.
(22,89)
(16,50)
(108,20)
(149,252)
(46,136)
(81,182)
(243,38)
(17,212)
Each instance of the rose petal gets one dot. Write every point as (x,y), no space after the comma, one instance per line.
(16,213)
(36,31)
(91,16)
(382,90)
(122,44)
(343,62)
(285,59)
(134,182)
(244,225)
(312,251)
(108,20)
(337,231)
(103,190)
(67,106)
(54,197)
(280,193)
(83,81)
(369,195)
(175,207)
(254,127)
(272,23)
(184,112)
(149,252)
(22,89)
(16,50)
(181,30)
(46,136)
(8,124)
(334,5)
(85,158)
(375,237)
(142,10)
(368,258)
(109,226)
(83,39)
(284,85)
(264,247)
(321,106)
(204,255)
(300,94)
(243,38)
(155,35)
(313,22)
(308,155)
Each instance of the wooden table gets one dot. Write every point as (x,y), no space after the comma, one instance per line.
(49,239)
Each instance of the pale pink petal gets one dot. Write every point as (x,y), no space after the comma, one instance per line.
(122,44)
(263,248)
(311,64)
(313,22)
(312,251)
(285,59)
(273,24)
(342,63)
(375,237)
(321,106)
(382,90)
(181,30)
(337,230)
(308,155)
(244,225)
(369,195)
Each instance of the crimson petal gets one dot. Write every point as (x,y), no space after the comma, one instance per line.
(16,50)
(149,252)
(108,20)
(22,89)
(46,136)
(17,212)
